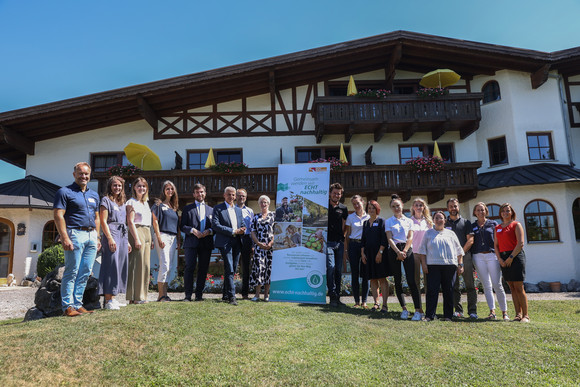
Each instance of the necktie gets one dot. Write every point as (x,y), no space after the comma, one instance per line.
(201,212)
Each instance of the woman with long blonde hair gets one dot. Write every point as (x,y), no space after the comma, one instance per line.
(422,221)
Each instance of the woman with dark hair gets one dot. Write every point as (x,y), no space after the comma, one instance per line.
(139,222)
(115,244)
(441,256)
(400,237)
(166,225)
(485,261)
(374,242)
(508,246)
(352,246)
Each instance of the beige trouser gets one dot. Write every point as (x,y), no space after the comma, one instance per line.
(139,266)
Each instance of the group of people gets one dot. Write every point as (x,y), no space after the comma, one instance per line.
(442,247)
(376,247)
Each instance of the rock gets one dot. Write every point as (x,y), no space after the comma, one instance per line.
(573,286)
(544,286)
(532,288)
(33,314)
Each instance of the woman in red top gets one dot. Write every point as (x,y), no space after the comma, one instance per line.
(508,245)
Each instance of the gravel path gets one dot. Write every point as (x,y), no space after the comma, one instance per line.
(15,301)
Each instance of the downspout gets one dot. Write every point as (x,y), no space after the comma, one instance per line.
(565,117)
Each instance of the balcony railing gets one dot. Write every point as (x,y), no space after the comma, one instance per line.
(457,178)
(397,113)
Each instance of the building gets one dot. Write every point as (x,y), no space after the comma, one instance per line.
(509,129)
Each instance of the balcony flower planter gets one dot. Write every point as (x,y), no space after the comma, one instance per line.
(335,164)
(426,164)
(232,167)
(432,93)
(373,94)
(124,171)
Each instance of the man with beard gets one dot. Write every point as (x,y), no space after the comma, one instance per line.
(337,214)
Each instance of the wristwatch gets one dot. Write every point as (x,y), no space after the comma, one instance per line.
(460,264)
(511,256)
(381,251)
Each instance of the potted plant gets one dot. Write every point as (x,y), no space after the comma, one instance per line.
(426,164)
(435,92)
(231,167)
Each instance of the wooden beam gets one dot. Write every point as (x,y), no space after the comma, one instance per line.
(440,130)
(349,132)
(16,140)
(468,129)
(540,76)
(380,132)
(410,131)
(147,112)
(435,196)
(390,68)
(319,132)
(464,196)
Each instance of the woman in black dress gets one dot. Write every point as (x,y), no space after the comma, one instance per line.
(373,242)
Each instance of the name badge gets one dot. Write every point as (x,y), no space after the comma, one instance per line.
(116,208)
(499,230)
(449,228)
(164,208)
(475,228)
(91,200)
(375,223)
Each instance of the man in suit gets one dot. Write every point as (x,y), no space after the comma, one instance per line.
(198,243)
(228,225)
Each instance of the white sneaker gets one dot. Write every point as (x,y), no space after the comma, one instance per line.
(405,315)
(267,299)
(110,305)
(118,303)
(418,316)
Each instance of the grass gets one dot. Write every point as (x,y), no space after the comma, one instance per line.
(213,343)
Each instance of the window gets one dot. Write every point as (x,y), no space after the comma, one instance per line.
(493,212)
(497,151)
(49,235)
(540,146)
(491,92)
(408,152)
(100,162)
(196,158)
(576,217)
(305,155)
(541,222)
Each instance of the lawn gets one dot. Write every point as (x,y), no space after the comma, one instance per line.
(213,343)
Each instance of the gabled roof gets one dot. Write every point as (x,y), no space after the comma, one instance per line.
(544,173)
(403,50)
(30,192)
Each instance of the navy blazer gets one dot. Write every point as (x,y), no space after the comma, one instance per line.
(190,219)
(222,227)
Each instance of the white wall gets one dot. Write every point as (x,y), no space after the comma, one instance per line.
(24,260)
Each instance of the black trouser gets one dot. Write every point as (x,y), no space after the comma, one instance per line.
(199,256)
(443,276)
(354,249)
(245,260)
(409,264)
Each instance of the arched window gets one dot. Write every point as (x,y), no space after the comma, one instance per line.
(541,221)
(49,234)
(576,217)
(493,212)
(491,92)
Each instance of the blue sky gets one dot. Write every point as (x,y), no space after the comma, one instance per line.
(54,50)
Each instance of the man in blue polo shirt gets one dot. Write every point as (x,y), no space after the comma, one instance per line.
(76,216)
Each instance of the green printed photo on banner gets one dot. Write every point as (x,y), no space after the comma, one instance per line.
(300,229)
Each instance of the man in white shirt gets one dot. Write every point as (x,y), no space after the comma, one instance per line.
(247,245)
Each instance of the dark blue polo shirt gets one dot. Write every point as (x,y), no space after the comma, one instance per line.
(80,207)
(461,227)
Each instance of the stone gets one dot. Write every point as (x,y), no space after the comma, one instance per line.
(531,288)
(573,286)
(33,314)
(544,286)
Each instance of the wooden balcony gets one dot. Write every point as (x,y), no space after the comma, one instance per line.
(369,181)
(406,114)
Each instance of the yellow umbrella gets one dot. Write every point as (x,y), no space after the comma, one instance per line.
(343,155)
(436,152)
(142,157)
(351,87)
(440,78)
(210,160)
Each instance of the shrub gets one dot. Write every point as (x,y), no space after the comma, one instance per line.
(49,259)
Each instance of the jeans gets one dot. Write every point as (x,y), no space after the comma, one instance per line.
(469,287)
(231,255)
(443,276)
(78,265)
(334,255)
(354,249)
(489,273)
(167,256)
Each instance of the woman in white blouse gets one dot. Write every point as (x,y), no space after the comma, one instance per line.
(352,247)
(400,238)
(441,256)
(422,221)
(139,222)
